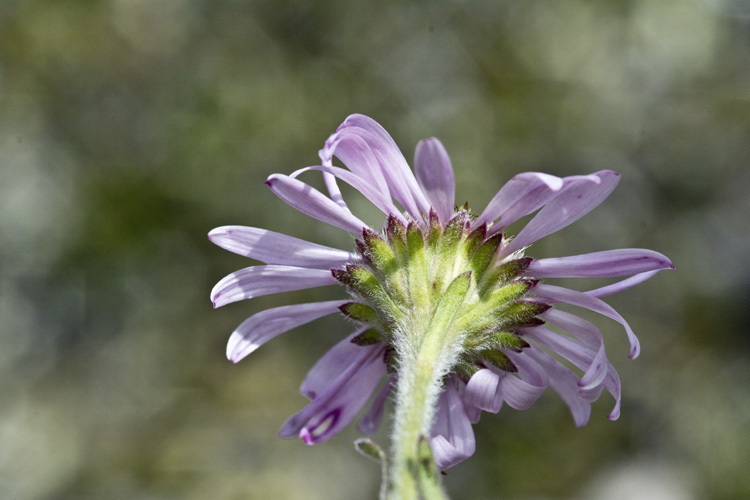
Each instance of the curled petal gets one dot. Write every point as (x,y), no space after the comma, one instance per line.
(522,391)
(579,196)
(399,177)
(612,383)
(596,370)
(473,412)
(575,351)
(610,263)
(581,355)
(378,198)
(333,190)
(276,248)
(564,383)
(591,394)
(434,172)
(374,416)
(340,402)
(312,202)
(559,294)
(330,365)
(353,150)
(481,390)
(451,438)
(582,329)
(521,195)
(262,327)
(264,280)
(622,285)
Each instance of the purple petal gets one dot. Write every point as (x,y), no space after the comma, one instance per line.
(523,391)
(330,365)
(612,383)
(564,383)
(574,350)
(380,200)
(579,196)
(264,280)
(582,329)
(374,416)
(559,294)
(452,438)
(335,407)
(521,195)
(312,202)
(261,327)
(473,412)
(591,394)
(622,285)
(435,176)
(481,391)
(354,151)
(333,190)
(596,370)
(276,248)
(610,263)
(399,177)
(581,355)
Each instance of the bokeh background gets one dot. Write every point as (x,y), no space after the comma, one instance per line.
(130,128)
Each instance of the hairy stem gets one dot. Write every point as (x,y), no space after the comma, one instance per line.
(417,392)
(427,348)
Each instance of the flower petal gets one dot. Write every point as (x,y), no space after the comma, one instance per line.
(262,327)
(330,365)
(380,200)
(434,172)
(584,330)
(399,177)
(452,438)
(574,350)
(481,391)
(564,383)
(473,412)
(559,294)
(581,355)
(610,263)
(612,383)
(521,195)
(335,407)
(522,391)
(579,196)
(333,190)
(374,416)
(264,280)
(355,153)
(622,285)
(276,248)
(596,370)
(312,202)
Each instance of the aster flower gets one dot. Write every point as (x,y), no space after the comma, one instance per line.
(452,313)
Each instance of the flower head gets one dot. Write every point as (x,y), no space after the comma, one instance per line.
(434,267)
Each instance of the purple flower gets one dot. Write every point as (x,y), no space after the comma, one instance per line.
(396,277)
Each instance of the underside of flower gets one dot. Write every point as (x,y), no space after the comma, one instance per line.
(452,315)
(407,275)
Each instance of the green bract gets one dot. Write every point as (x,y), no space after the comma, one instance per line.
(415,279)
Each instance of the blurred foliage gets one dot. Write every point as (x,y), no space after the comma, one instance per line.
(129,128)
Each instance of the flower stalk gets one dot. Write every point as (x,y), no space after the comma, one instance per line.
(425,359)
(420,381)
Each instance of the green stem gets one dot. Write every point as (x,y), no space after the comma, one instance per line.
(417,392)
(426,354)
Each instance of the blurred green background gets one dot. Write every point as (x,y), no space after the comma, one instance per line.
(130,128)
